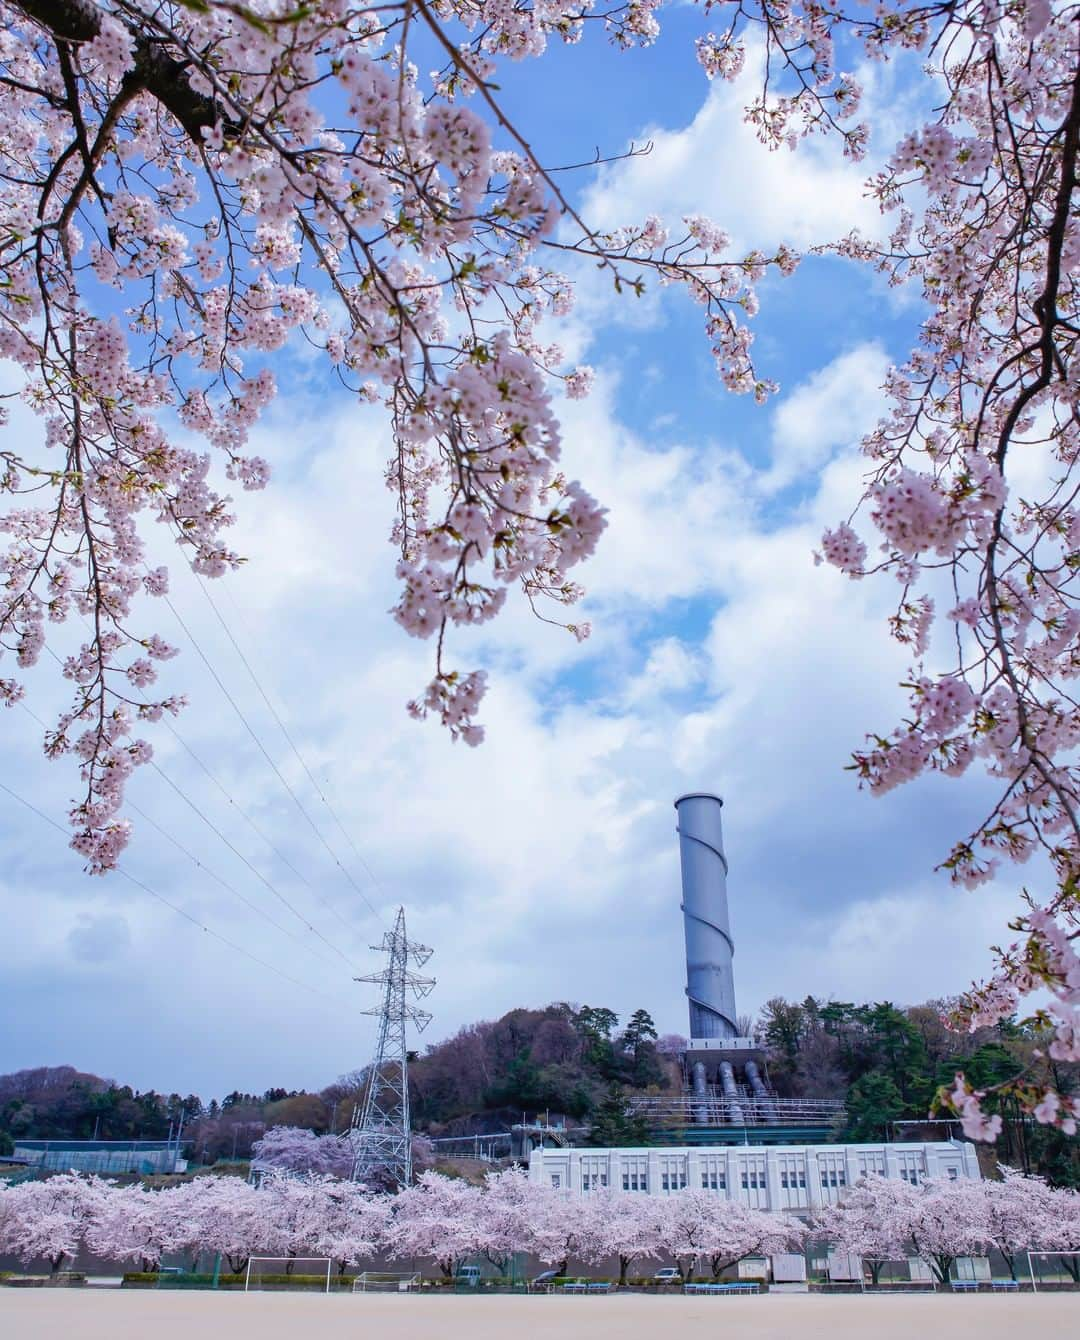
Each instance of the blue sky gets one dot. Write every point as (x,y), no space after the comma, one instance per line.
(542,866)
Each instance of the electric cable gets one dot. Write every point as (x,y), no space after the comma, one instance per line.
(224,939)
(238,807)
(220,879)
(236,852)
(277,771)
(282,727)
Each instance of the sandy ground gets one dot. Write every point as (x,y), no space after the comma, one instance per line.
(114,1314)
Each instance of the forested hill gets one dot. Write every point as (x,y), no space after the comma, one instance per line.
(577,1062)
(563,1059)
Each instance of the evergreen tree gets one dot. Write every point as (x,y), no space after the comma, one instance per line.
(872,1103)
(613,1126)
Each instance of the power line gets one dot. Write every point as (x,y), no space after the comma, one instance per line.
(224,939)
(254,869)
(240,809)
(219,879)
(277,771)
(283,728)
(235,851)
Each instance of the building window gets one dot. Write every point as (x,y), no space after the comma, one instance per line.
(635,1177)
(556,1180)
(953,1173)
(713,1178)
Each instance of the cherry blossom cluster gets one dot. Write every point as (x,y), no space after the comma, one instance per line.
(444,1220)
(882,1219)
(987,235)
(189,191)
(447,1221)
(804,93)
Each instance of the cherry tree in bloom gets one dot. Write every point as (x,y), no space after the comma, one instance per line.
(1062,1232)
(872,1222)
(564,1224)
(355,1224)
(737,1231)
(130,1224)
(226,1215)
(504,1214)
(629,1228)
(686,1223)
(294,1149)
(295,1212)
(50,1218)
(945,1220)
(1019,1214)
(438,1218)
(189,187)
(700,1224)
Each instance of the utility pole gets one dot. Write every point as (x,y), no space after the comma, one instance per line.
(381,1133)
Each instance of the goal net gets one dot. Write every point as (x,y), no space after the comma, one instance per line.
(1054,1268)
(288,1272)
(385,1281)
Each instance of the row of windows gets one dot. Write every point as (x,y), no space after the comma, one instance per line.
(714,1177)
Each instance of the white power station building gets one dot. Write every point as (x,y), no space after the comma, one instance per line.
(740,1138)
(796,1179)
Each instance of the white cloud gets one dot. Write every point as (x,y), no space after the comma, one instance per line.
(828,411)
(542,866)
(717,167)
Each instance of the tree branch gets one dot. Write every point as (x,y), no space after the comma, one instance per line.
(165,78)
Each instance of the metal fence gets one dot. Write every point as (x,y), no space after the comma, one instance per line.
(713,1109)
(125,1158)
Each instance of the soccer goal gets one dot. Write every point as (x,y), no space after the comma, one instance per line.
(288,1272)
(1049,1268)
(385,1281)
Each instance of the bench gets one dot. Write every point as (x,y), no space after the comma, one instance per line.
(965,1286)
(1005,1286)
(586,1286)
(742,1286)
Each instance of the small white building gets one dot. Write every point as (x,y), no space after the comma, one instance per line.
(793,1178)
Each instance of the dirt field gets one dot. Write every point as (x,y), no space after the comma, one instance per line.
(115,1314)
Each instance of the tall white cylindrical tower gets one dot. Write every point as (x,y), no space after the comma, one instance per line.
(710,984)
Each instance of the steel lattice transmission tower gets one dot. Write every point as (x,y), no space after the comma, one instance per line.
(381,1132)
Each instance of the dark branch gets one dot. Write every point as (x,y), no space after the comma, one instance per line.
(163,77)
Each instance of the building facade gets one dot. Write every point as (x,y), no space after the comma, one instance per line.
(796,1179)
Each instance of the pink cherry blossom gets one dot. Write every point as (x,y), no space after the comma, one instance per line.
(187,190)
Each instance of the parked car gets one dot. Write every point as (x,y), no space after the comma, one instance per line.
(545,1279)
(667,1275)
